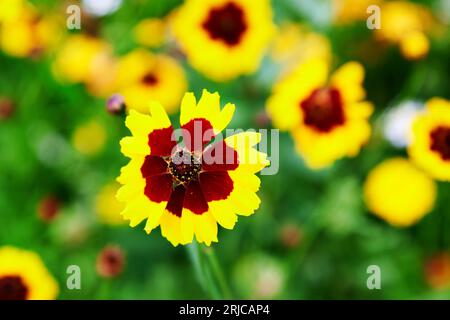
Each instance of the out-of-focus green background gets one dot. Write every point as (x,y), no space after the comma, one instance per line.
(312,237)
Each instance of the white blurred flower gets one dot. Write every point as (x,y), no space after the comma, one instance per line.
(270,282)
(398,123)
(259,276)
(101,7)
(318,12)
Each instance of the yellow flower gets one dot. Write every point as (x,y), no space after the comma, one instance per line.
(150,32)
(23,276)
(399,193)
(143,76)
(430,145)
(89,138)
(187,189)
(294,43)
(12,9)
(224,39)
(327,117)
(89,60)
(27,33)
(415,45)
(406,24)
(107,206)
(347,11)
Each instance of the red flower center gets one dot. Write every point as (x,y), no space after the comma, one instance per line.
(149,79)
(226,23)
(184,166)
(323,109)
(12,288)
(189,177)
(440,142)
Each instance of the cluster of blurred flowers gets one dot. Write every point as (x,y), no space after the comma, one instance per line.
(321,105)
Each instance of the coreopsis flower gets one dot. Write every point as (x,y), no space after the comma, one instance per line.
(25,32)
(430,146)
(328,118)
(89,138)
(23,276)
(406,24)
(88,60)
(11,9)
(399,193)
(107,207)
(150,32)
(224,39)
(143,76)
(110,261)
(188,188)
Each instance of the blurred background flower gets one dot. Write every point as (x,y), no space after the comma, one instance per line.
(399,193)
(23,276)
(373,187)
(327,118)
(224,39)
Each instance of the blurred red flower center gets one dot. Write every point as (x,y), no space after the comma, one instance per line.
(440,141)
(323,109)
(184,166)
(110,261)
(226,23)
(12,288)
(149,79)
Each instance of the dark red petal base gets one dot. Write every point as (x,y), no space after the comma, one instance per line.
(323,109)
(440,142)
(12,288)
(226,23)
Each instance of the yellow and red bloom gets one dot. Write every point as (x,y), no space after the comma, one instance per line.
(327,117)
(224,39)
(143,76)
(23,276)
(430,145)
(178,187)
(399,193)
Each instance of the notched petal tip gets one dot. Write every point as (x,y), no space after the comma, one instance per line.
(188,104)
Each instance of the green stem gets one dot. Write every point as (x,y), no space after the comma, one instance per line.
(208,271)
(218,272)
